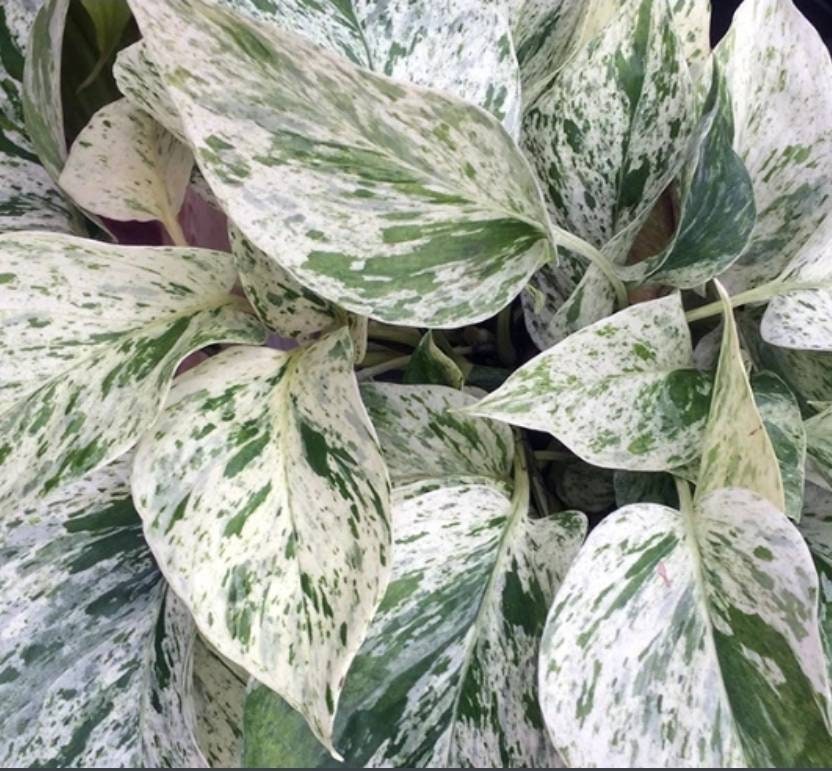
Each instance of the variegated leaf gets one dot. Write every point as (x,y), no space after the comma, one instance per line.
(457,224)
(717,212)
(777,68)
(429,364)
(547,32)
(265,501)
(620,393)
(783,423)
(462,47)
(126,166)
(604,167)
(816,529)
(219,696)
(42,102)
(139,80)
(807,373)
(446,676)
(425,438)
(692,24)
(801,315)
(29,199)
(552,314)
(737,450)
(92,335)
(819,446)
(670,643)
(94,665)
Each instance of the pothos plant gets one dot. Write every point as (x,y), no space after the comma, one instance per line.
(330,330)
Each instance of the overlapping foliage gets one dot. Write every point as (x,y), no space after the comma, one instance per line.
(414,384)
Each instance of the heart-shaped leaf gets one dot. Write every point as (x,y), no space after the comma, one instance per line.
(265,501)
(92,335)
(96,663)
(305,140)
(126,166)
(670,643)
(777,68)
(620,393)
(29,199)
(717,212)
(450,656)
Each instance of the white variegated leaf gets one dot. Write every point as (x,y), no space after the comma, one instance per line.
(265,501)
(126,166)
(800,316)
(716,207)
(552,316)
(446,676)
(816,529)
(783,423)
(778,68)
(807,373)
(737,450)
(139,80)
(42,104)
(547,32)
(819,446)
(399,203)
(95,665)
(620,393)
(29,200)
(609,134)
(671,643)
(92,335)
(425,438)
(219,696)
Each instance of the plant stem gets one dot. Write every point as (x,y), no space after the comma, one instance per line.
(177,235)
(685,498)
(400,362)
(587,250)
(758,294)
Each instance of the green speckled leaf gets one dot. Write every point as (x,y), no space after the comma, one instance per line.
(139,80)
(689,639)
(819,446)
(620,393)
(802,319)
(424,436)
(29,199)
(737,450)
(286,306)
(94,664)
(553,311)
(780,412)
(91,337)
(610,132)
(126,166)
(429,364)
(816,529)
(716,209)
(399,203)
(778,70)
(42,102)
(265,501)
(547,32)
(446,675)
(645,487)
(462,47)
